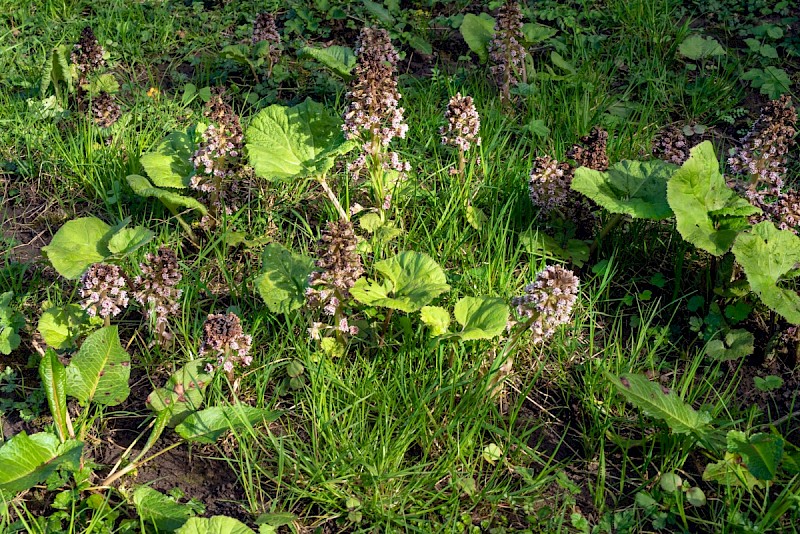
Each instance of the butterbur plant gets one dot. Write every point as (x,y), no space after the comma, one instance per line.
(87,55)
(548,302)
(265,31)
(105,110)
(104,289)
(671,145)
(506,52)
(549,185)
(225,340)
(591,151)
(157,291)
(463,128)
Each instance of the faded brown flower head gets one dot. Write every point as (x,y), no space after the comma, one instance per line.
(591,151)
(105,110)
(339,267)
(506,52)
(548,301)
(549,184)
(156,289)
(87,55)
(264,29)
(761,158)
(104,289)
(463,124)
(373,114)
(225,339)
(671,145)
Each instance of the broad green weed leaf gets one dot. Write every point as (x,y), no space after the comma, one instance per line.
(284,278)
(635,188)
(10,323)
(736,345)
(159,509)
(206,426)
(536,33)
(436,318)
(60,326)
(99,372)
(771,81)
(697,47)
(126,240)
(339,59)
(214,525)
(77,245)
(182,394)
(57,70)
(761,454)
(411,280)
(662,404)
(289,143)
(379,12)
(477,31)
(481,317)
(53,375)
(767,255)
(103,83)
(28,460)
(703,203)
(169,165)
(730,472)
(142,187)
(540,245)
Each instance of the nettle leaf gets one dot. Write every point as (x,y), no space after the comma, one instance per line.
(707,212)
(657,402)
(214,525)
(697,47)
(206,426)
(169,165)
(142,187)
(767,256)
(54,381)
(100,370)
(288,143)
(761,453)
(478,31)
(736,345)
(182,394)
(126,240)
(77,245)
(339,59)
(481,317)
(161,510)
(635,188)
(412,280)
(284,278)
(29,460)
(436,318)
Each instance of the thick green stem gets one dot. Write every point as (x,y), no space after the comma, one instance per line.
(610,225)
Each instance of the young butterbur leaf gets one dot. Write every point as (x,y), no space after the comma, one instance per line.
(284,278)
(671,482)
(411,280)
(182,394)
(635,188)
(730,472)
(697,47)
(57,70)
(142,187)
(29,460)
(768,383)
(206,426)
(10,323)
(481,317)
(126,240)
(695,496)
(78,244)
(478,31)
(735,345)
(161,510)
(339,59)
(99,372)
(218,524)
(436,318)
(771,81)
(761,453)
(170,165)
(60,326)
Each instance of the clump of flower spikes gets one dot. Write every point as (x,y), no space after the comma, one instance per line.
(156,288)
(224,339)
(548,301)
(220,147)
(373,114)
(591,152)
(265,30)
(463,124)
(104,289)
(339,267)
(549,184)
(671,145)
(762,156)
(105,110)
(505,49)
(87,55)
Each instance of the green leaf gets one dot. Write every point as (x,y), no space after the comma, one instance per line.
(478,31)
(237,52)
(126,240)
(730,472)
(290,143)
(702,201)
(339,59)
(53,375)
(182,394)
(214,525)
(768,383)
(100,370)
(736,345)
(476,217)
(767,255)
(559,61)
(761,454)
(60,326)
(536,33)
(436,318)
(57,70)
(662,404)
(159,509)
(481,317)
(103,83)
(412,280)
(77,245)
(695,496)
(10,323)
(284,278)
(379,12)
(169,165)
(28,460)
(206,426)
(772,81)
(142,187)
(697,47)
(635,188)
(671,482)
(540,245)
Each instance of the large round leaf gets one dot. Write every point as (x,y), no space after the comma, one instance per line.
(284,278)
(481,317)
(169,165)
(77,245)
(214,525)
(99,372)
(27,460)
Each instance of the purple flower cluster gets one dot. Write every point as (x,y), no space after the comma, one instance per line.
(463,124)
(225,339)
(105,110)
(104,289)
(339,267)
(156,288)
(548,301)
(373,114)
(591,151)
(87,54)
(217,158)
(671,145)
(265,30)
(549,184)
(506,52)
